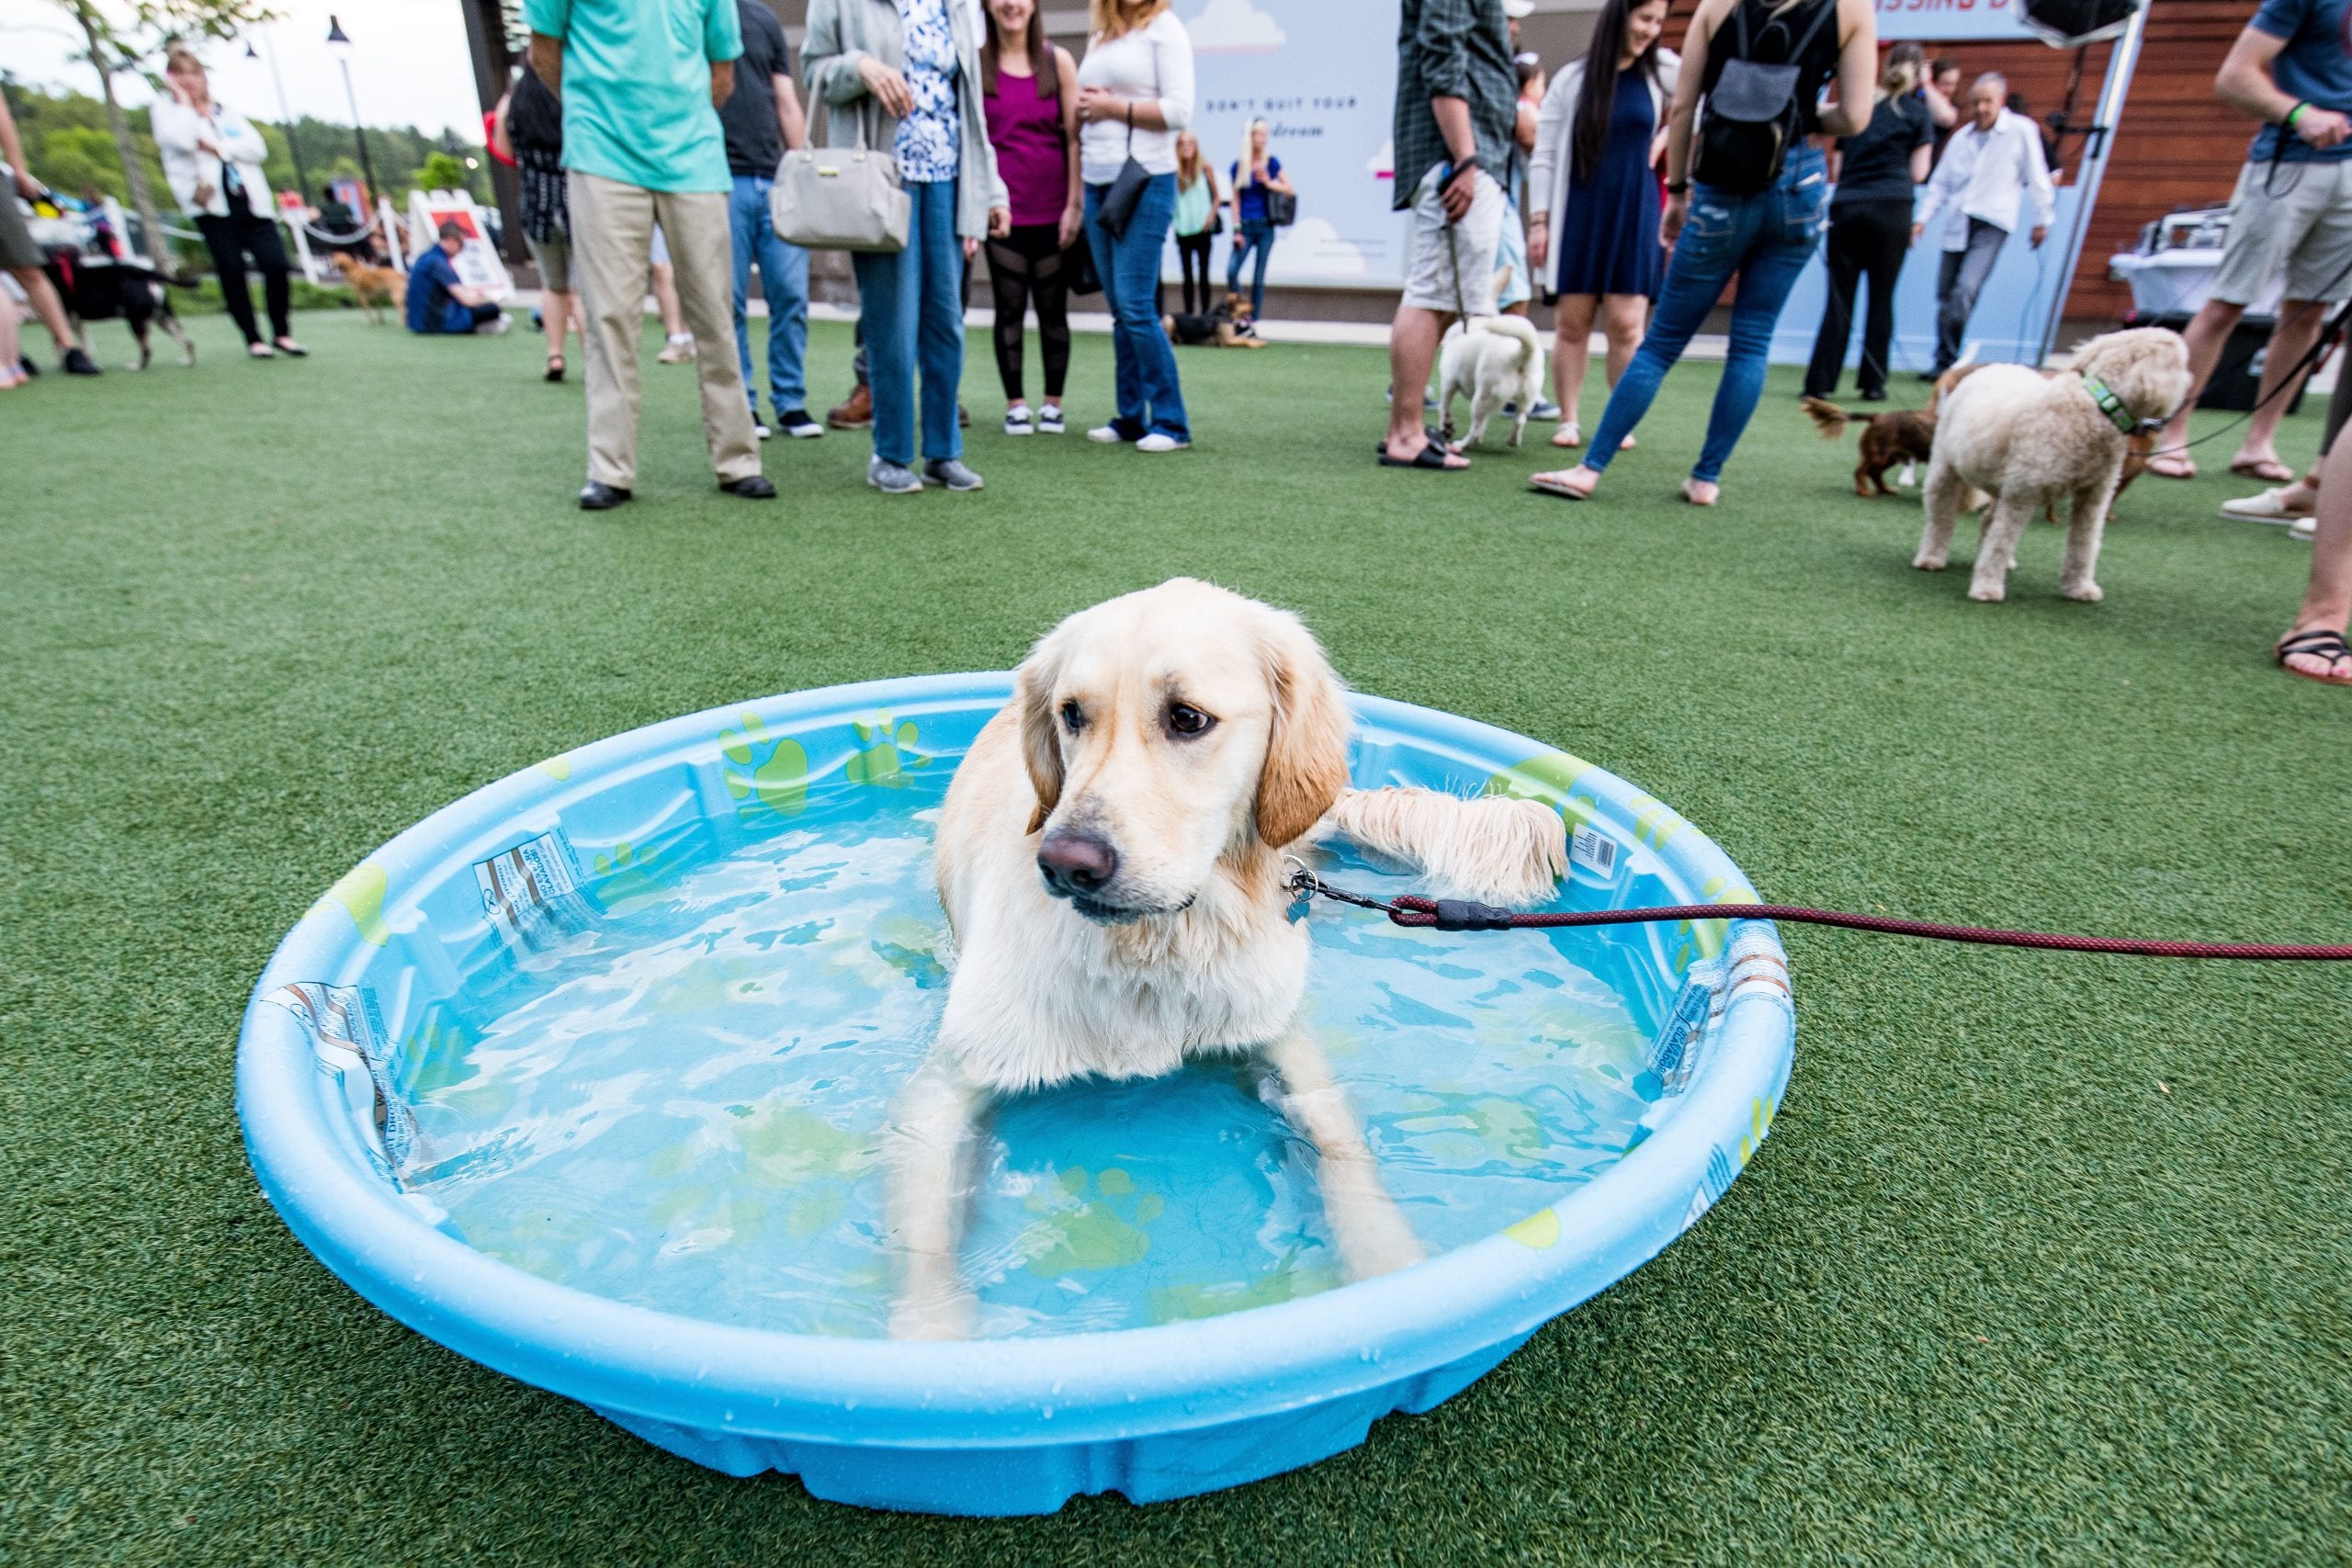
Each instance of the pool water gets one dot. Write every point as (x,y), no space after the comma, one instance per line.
(677,1104)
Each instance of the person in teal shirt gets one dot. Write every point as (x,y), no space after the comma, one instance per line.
(641,81)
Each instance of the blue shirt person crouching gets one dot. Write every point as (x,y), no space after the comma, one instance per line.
(438,302)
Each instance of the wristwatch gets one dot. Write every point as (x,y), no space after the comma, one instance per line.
(1678,188)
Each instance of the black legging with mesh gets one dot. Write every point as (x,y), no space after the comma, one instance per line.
(1025,267)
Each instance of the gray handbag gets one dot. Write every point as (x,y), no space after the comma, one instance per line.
(839,198)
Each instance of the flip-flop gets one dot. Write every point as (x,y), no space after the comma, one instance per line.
(1550,486)
(2180,468)
(1432,455)
(2269,471)
(2326,645)
(1437,438)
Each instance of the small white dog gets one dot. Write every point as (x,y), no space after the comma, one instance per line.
(1109,861)
(2028,441)
(1491,360)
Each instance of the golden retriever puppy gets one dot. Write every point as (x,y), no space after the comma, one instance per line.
(1110,860)
(377,286)
(2028,440)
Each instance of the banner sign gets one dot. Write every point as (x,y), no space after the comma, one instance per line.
(477,262)
(1950,21)
(1322,74)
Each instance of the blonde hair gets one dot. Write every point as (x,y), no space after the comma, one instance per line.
(1250,147)
(181,58)
(1906,63)
(1116,19)
(1188,165)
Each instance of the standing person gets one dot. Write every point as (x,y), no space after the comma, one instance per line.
(1763,236)
(1456,105)
(2313,646)
(763,121)
(2291,212)
(212,160)
(1989,166)
(1869,225)
(1029,88)
(1134,92)
(1595,194)
(677,338)
(23,259)
(1516,291)
(1255,173)
(528,124)
(1941,94)
(1196,220)
(917,64)
(642,143)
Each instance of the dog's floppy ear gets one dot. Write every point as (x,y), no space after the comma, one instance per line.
(1307,747)
(1041,747)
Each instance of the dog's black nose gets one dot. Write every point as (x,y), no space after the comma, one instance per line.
(1077,862)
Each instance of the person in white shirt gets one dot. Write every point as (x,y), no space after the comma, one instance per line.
(1989,167)
(212,159)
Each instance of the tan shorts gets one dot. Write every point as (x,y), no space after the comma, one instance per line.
(16,246)
(2295,217)
(553,258)
(1450,267)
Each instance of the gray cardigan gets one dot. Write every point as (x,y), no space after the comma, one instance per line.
(842,33)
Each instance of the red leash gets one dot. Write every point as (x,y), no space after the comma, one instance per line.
(1460,915)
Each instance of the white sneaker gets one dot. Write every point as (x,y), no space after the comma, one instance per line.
(761,431)
(1158,442)
(1018,421)
(2304,528)
(1049,419)
(2266,506)
(1106,433)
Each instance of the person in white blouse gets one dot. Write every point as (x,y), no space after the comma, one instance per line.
(1990,167)
(1134,92)
(212,159)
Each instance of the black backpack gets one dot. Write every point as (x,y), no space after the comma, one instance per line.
(1752,115)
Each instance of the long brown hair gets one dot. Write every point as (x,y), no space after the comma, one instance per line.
(1032,43)
(1597,97)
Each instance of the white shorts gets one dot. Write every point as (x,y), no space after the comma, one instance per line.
(1450,267)
(2299,222)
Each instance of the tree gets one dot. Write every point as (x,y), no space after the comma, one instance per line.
(120,34)
(442,171)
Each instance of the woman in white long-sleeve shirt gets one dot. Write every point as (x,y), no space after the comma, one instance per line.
(212,159)
(1134,92)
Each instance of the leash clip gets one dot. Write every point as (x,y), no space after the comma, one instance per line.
(1303,887)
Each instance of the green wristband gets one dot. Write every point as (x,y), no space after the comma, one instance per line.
(2289,121)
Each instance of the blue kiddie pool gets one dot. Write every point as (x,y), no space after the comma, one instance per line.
(584,1076)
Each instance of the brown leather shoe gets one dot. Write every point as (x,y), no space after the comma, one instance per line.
(855,414)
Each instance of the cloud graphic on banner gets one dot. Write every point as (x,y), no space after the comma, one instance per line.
(1313,249)
(1382,165)
(1235,27)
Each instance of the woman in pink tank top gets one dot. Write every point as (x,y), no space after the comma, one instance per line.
(1029,89)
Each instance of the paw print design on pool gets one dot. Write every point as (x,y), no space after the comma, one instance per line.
(1080,1224)
(885,755)
(767,775)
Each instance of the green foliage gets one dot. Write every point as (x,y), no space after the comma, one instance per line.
(206,299)
(444,171)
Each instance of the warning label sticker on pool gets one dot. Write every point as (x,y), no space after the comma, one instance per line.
(532,893)
(347,1032)
(1594,850)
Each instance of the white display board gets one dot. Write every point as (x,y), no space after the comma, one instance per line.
(476,264)
(1322,74)
(1952,21)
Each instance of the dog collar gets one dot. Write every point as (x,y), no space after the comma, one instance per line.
(2112,406)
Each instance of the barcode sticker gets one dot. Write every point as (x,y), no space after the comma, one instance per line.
(1594,850)
(532,894)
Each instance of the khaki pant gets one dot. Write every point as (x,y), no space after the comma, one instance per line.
(612,241)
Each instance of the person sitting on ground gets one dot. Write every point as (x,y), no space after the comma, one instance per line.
(2314,646)
(2290,213)
(438,302)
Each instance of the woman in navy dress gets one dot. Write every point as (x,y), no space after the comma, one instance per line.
(1595,196)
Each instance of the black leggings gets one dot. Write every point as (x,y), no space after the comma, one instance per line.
(1866,238)
(1026,266)
(230,240)
(1190,248)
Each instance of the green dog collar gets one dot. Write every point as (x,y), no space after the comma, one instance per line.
(2110,405)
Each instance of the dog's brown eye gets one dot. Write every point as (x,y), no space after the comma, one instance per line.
(1185,719)
(1072,717)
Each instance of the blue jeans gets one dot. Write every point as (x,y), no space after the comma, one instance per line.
(912,303)
(784,279)
(1149,399)
(1258,235)
(1766,237)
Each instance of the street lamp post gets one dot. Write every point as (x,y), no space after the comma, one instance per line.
(340,42)
(285,117)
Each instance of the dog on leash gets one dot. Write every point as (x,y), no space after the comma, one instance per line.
(2138,447)
(1901,435)
(1109,858)
(379,287)
(1229,326)
(98,278)
(2028,439)
(1492,360)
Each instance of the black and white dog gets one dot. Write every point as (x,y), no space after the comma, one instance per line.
(100,280)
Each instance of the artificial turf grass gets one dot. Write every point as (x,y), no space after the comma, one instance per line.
(2047,1255)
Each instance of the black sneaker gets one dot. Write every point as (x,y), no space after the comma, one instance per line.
(797,423)
(74,362)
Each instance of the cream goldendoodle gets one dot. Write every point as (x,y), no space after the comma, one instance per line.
(2028,441)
